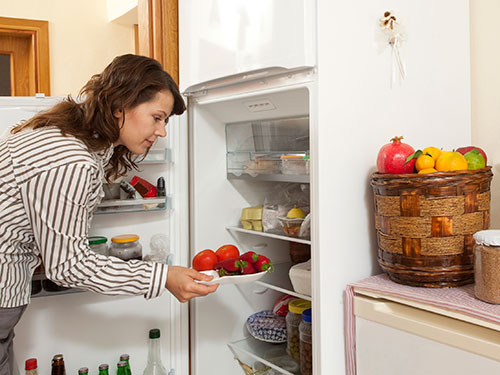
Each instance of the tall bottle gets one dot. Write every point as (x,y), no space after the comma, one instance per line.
(126,358)
(58,367)
(104,369)
(31,366)
(154,366)
(121,368)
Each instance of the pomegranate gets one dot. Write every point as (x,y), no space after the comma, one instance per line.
(464,150)
(392,157)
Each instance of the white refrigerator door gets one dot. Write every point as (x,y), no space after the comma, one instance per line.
(393,339)
(90,329)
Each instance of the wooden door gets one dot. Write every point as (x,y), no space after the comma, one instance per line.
(25,42)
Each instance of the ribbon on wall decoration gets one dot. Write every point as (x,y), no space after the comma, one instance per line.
(392,34)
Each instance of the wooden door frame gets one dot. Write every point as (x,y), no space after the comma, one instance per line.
(158,33)
(39,34)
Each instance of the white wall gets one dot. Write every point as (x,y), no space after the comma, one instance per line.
(485,83)
(81,40)
(359,112)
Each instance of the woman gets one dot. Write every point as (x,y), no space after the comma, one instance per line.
(51,169)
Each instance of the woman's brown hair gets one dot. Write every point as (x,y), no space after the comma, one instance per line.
(125,83)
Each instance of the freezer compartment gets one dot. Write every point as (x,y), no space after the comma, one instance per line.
(277,149)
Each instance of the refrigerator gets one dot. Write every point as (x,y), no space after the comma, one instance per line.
(259,71)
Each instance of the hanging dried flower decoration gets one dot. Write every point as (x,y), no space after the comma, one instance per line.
(394,36)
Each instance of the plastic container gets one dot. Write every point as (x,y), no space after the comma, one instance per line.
(305,334)
(300,276)
(99,244)
(293,319)
(291,227)
(126,247)
(295,164)
(487,266)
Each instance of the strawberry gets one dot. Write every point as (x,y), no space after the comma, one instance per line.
(247,268)
(250,257)
(230,265)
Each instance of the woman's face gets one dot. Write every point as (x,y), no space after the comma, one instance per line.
(145,122)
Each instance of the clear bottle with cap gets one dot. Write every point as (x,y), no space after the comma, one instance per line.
(104,369)
(126,358)
(58,367)
(305,333)
(487,265)
(293,319)
(99,244)
(126,247)
(154,365)
(31,366)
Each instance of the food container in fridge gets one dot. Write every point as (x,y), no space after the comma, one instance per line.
(297,164)
(300,276)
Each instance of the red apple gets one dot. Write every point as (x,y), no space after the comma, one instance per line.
(464,150)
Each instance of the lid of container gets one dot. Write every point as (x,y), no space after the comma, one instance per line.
(154,333)
(295,156)
(122,238)
(57,357)
(489,237)
(124,357)
(122,364)
(83,370)
(298,305)
(96,240)
(104,366)
(306,315)
(30,364)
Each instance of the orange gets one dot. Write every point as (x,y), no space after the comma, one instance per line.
(424,162)
(451,161)
(432,151)
(427,170)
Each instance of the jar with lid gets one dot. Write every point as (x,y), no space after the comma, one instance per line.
(293,319)
(126,247)
(305,334)
(487,265)
(99,244)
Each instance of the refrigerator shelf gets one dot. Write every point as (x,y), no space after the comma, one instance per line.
(281,283)
(157,156)
(113,206)
(277,177)
(267,234)
(44,293)
(251,351)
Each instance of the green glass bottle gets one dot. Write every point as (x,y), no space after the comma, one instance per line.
(83,371)
(104,369)
(121,368)
(126,358)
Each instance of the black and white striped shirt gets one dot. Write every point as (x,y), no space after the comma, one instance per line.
(50,185)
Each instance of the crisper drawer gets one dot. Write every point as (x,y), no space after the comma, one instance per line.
(392,338)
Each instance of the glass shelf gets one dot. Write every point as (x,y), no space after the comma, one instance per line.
(301,179)
(112,206)
(268,234)
(156,156)
(45,293)
(277,281)
(250,351)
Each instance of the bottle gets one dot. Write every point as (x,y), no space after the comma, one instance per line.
(160,190)
(104,369)
(58,367)
(154,366)
(121,368)
(126,358)
(31,366)
(83,371)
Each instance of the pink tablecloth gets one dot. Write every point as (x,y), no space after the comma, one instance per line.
(460,299)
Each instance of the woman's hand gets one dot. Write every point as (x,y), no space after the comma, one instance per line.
(181,283)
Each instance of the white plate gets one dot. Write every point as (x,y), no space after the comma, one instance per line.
(234,279)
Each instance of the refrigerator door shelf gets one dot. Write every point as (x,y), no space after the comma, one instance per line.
(252,352)
(114,206)
(156,156)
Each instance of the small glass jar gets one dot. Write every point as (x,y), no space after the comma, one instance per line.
(293,319)
(305,334)
(126,247)
(487,266)
(99,244)
(300,252)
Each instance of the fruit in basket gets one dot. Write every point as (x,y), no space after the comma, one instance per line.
(464,150)
(296,213)
(226,252)
(434,152)
(392,157)
(474,159)
(205,260)
(424,161)
(427,170)
(451,161)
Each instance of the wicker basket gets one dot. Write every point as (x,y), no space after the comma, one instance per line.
(425,224)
